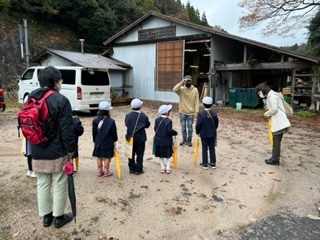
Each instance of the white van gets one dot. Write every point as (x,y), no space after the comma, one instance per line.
(85,88)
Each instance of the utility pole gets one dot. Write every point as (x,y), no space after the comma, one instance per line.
(23,35)
(26,41)
(81,40)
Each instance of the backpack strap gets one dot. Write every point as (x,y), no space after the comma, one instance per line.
(48,93)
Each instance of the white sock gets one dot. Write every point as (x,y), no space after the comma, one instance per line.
(162,163)
(168,163)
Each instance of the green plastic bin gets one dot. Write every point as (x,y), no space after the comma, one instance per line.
(246,96)
(233,96)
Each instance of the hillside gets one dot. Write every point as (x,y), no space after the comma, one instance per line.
(40,37)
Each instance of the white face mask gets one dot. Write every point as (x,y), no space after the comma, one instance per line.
(59,85)
(261,94)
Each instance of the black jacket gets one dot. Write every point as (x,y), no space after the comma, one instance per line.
(104,137)
(143,122)
(60,111)
(164,131)
(77,132)
(206,126)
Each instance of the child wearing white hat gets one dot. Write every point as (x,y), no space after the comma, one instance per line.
(206,127)
(163,138)
(136,122)
(104,133)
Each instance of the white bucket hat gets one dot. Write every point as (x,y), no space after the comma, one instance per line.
(136,103)
(164,108)
(104,105)
(207,100)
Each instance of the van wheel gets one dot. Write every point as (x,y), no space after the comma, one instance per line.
(93,112)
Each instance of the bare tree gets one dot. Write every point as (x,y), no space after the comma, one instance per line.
(282,16)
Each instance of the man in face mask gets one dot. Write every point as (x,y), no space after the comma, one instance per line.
(188,107)
(277,115)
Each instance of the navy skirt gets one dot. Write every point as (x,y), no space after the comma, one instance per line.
(103,153)
(163,151)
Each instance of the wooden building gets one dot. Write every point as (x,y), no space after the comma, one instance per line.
(162,49)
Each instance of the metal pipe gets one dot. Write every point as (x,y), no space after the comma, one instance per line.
(26,41)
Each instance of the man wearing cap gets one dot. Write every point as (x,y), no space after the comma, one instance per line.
(136,123)
(188,107)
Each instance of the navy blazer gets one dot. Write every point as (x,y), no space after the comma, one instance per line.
(139,134)
(163,136)
(206,126)
(104,137)
(77,132)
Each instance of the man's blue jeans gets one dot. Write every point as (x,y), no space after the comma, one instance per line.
(186,122)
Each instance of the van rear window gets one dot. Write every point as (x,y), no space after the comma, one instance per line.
(68,76)
(97,78)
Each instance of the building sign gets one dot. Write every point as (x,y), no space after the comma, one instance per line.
(156,33)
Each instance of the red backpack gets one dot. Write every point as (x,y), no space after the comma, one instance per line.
(34,120)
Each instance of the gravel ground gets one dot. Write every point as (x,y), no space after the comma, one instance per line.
(242,199)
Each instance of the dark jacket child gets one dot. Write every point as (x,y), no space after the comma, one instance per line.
(26,150)
(163,138)
(206,126)
(77,132)
(136,123)
(104,134)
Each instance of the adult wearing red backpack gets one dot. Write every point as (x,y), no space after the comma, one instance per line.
(49,158)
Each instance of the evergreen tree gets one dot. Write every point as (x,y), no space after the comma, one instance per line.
(314,35)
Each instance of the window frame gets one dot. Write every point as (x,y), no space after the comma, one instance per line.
(169,60)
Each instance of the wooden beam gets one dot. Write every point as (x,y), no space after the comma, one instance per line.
(262,66)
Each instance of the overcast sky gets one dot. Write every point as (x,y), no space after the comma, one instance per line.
(226,13)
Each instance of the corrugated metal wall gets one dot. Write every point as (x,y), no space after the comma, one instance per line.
(142,58)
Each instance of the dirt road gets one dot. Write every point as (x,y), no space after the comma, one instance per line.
(189,203)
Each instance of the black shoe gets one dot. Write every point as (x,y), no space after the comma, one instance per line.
(63,220)
(131,172)
(47,220)
(204,166)
(189,144)
(183,142)
(212,165)
(138,173)
(271,161)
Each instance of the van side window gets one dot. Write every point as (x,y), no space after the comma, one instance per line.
(68,76)
(95,78)
(28,74)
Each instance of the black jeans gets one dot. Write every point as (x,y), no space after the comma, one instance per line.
(208,143)
(138,149)
(276,148)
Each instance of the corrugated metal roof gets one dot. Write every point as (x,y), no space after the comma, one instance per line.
(87,60)
(211,31)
